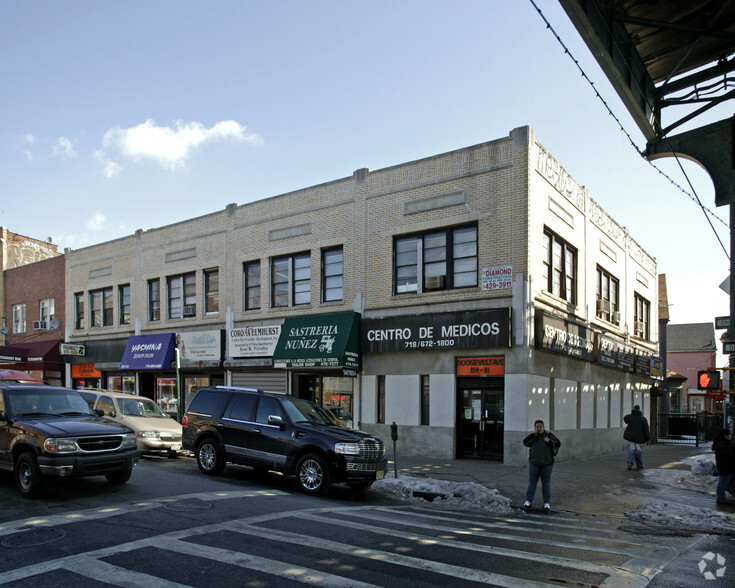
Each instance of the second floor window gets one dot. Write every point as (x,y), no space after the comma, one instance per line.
(607,288)
(332,274)
(436,260)
(100,308)
(19,318)
(211,290)
(123,294)
(642,318)
(291,280)
(79,310)
(182,296)
(560,267)
(251,285)
(46,312)
(154,300)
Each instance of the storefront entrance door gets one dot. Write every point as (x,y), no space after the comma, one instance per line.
(480,424)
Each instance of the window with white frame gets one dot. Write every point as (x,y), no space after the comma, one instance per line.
(182,296)
(154,299)
(251,285)
(332,274)
(560,267)
(607,302)
(435,260)
(642,317)
(100,308)
(123,297)
(46,312)
(291,280)
(211,291)
(79,310)
(19,318)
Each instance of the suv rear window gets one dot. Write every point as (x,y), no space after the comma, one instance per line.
(207,402)
(241,407)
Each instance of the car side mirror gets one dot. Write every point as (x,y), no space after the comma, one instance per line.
(277,421)
(99,412)
(3,417)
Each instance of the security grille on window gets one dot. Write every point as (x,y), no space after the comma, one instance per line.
(182,296)
(444,259)
(211,291)
(251,285)
(332,274)
(79,310)
(607,289)
(123,295)
(641,322)
(560,267)
(154,300)
(291,280)
(100,308)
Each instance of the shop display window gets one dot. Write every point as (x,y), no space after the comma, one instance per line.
(124,384)
(192,385)
(166,395)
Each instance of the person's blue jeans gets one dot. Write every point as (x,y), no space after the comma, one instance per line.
(635,452)
(534,473)
(725,484)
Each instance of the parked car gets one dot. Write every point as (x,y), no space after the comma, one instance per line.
(155,430)
(269,431)
(341,415)
(50,433)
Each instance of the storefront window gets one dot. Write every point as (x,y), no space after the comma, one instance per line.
(166,395)
(121,384)
(337,392)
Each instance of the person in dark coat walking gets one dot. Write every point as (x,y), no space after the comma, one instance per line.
(725,460)
(542,447)
(637,434)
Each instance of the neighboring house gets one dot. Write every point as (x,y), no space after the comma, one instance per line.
(31,297)
(461,296)
(691,348)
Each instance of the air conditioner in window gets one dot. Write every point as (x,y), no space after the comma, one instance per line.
(190,310)
(40,325)
(603,306)
(435,282)
(616,317)
(639,327)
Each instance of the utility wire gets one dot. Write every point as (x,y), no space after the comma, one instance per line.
(694,197)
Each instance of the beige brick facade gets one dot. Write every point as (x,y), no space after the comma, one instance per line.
(511,189)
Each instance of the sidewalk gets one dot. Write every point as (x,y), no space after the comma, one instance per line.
(594,485)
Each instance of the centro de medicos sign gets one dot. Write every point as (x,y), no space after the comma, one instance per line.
(437,332)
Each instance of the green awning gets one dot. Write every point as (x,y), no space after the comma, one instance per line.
(319,341)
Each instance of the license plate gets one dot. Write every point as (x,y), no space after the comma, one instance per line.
(379,475)
(175,447)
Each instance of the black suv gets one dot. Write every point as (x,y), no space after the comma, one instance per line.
(268,431)
(48,432)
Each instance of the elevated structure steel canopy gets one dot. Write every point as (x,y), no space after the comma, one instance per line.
(661,53)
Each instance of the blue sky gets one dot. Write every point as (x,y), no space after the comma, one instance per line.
(122,115)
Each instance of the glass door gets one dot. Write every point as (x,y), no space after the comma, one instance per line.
(481,424)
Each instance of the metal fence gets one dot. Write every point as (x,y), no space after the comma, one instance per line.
(687,429)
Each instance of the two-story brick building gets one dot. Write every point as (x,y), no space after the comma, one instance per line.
(461,296)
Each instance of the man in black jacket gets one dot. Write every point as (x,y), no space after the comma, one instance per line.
(542,447)
(636,434)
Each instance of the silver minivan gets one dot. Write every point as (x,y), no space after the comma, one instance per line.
(154,429)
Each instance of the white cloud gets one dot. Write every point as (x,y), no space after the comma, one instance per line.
(110,168)
(64,147)
(29,138)
(172,146)
(96,222)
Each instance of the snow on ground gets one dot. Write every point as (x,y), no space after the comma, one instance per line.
(471,496)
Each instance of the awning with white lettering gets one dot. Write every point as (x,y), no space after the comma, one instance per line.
(149,352)
(321,341)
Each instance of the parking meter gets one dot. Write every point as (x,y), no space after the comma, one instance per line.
(394,437)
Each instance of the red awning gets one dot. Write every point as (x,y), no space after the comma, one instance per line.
(31,351)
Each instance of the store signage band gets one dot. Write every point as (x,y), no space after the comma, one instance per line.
(437,332)
(72,349)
